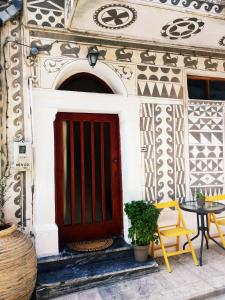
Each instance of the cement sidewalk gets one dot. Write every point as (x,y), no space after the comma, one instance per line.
(185,282)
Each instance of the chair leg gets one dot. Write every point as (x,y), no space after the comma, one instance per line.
(220,234)
(192,251)
(165,255)
(177,243)
(209,224)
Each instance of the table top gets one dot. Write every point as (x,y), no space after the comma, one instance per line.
(208,207)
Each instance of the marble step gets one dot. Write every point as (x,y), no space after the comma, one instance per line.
(67,256)
(71,277)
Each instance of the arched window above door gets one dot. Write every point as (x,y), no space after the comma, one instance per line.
(85,82)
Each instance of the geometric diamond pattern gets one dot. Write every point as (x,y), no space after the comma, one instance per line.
(206,165)
(206,141)
(205,109)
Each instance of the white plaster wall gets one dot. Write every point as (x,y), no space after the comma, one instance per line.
(46,104)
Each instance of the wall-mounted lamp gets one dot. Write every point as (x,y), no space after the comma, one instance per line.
(34,51)
(92,57)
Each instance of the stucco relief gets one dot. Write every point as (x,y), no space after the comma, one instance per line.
(222,41)
(57,53)
(157,74)
(164,156)
(200,5)
(52,66)
(164,82)
(76,50)
(115,16)
(15,116)
(69,49)
(206,142)
(182,28)
(125,72)
(190,62)
(46,13)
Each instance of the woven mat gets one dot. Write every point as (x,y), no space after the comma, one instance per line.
(96,245)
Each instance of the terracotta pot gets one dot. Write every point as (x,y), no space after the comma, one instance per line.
(141,253)
(18,265)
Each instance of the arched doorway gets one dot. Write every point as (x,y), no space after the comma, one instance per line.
(87,168)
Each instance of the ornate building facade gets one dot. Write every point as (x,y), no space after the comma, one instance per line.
(168,143)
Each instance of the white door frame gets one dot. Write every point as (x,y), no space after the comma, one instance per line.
(46,104)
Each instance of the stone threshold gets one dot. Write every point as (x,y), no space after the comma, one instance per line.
(74,271)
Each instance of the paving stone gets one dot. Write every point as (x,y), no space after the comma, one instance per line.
(110,292)
(69,297)
(216,282)
(186,282)
(92,294)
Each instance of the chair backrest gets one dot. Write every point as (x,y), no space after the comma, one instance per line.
(171,216)
(167,204)
(215,198)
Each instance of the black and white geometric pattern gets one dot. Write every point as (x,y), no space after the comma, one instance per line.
(162,138)
(9,9)
(182,28)
(206,140)
(46,13)
(216,7)
(4,4)
(160,82)
(115,16)
(147,142)
(179,152)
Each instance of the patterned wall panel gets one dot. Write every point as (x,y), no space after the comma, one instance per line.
(13,127)
(206,140)
(148,148)
(162,138)
(164,82)
(16,116)
(46,13)
(179,152)
(213,6)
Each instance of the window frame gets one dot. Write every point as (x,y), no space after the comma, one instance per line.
(207,79)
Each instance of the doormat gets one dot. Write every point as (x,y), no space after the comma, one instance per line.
(88,246)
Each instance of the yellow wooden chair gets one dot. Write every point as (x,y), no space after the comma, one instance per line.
(173,231)
(218,220)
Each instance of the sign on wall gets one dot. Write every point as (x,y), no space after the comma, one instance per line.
(22,156)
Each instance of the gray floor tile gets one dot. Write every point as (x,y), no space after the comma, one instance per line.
(185,282)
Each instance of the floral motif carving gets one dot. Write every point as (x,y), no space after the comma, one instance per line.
(115,16)
(182,28)
(53,66)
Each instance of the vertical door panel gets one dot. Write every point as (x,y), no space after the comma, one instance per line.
(88,176)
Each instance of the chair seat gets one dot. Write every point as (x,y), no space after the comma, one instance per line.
(219,221)
(177,231)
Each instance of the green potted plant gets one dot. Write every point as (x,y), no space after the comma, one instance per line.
(143,217)
(200,198)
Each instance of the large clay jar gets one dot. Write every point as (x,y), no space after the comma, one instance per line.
(18,265)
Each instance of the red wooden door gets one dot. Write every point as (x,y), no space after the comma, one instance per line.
(88,176)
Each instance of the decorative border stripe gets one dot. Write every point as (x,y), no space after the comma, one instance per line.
(11,11)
